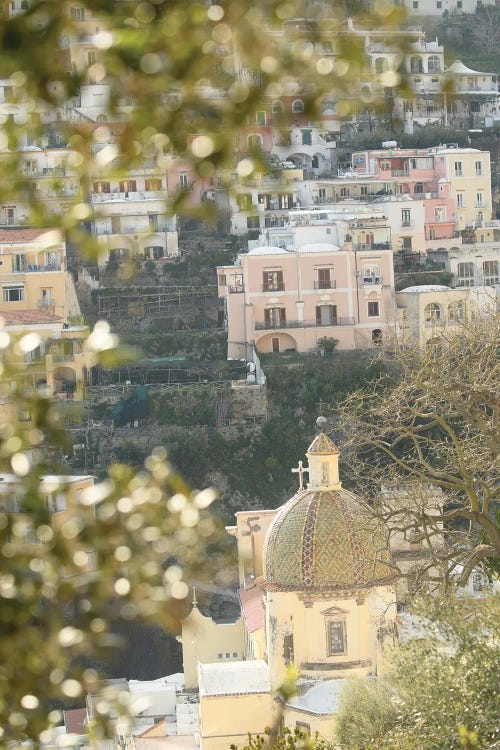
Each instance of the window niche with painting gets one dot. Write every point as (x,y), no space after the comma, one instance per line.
(336,631)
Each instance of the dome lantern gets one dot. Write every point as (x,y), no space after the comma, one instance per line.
(323,459)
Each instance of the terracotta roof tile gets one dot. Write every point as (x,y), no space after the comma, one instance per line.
(21,235)
(27,317)
(253,608)
(75,720)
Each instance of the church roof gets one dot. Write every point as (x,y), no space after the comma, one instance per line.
(324,540)
(322,444)
(253,608)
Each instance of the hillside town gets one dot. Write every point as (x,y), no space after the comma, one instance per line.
(253,299)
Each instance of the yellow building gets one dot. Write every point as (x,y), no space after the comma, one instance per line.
(57,365)
(33,273)
(317,592)
(467,173)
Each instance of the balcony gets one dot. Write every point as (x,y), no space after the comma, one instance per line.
(335,322)
(277,287)
(400,173)
(407,223)
(143,195)
(372,281)
(236,289)
(371,246)
(325,284)
(38,269)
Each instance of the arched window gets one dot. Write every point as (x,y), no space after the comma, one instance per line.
(298,106)
(416,65)
(254,141)
(381,65)
(434,64)
(432,313)
(277,107)
(456,312)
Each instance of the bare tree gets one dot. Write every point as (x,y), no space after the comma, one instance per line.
(486,31)
(427,433)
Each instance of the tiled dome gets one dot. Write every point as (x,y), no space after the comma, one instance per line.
(322,540)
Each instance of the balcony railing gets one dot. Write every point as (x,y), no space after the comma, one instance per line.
(372,280)
(36,268)
(236,288)
(407,223)
(278,287)
(271,326)
(400,173)
(325,284)
(132,195)
(372,246)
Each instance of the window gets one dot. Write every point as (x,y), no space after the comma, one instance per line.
(490,272)
(298,106)
(415,4)
(440,213)
(128,186)
(91,57)
(326,315)
(260,118)
(479,168)
(456,312)
(13,293)
(419,188)
(459,4)
(272,281)
(288,654)
(434,64)
(465,274)
(154,183)
(363,190)
(406,243)
(254,141)
(479,199)
(277,107)
(183,181)
(253,222)
(78,14)
(432,313)
(416,65)
(19,263)
(373,309)
(101,187)
(439,4)
(275,317)
(46,297)
(458,169)
(324,280)
(154,251)
(381,65)
(344,192)
(371,274)
(153,222)
(432,234)
(222,279)
(460,200)
(406,217)
(336,637)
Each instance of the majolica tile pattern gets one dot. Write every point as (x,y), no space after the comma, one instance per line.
(322,444)
(323,540)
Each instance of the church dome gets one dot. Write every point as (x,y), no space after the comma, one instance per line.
(324,538)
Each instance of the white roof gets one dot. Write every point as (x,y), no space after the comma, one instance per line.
(234,677)
(267,250)
(423,288)
(170,682)
(320,699)
(318,247)
(458,67)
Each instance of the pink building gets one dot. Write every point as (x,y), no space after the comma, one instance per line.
(278,299)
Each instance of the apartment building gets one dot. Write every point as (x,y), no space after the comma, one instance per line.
(33,273)
(130,217)
(475,265)
(57,366)
(428,314)
(279,298)
(454,183)
(439,7)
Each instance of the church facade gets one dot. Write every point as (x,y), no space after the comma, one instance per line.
(317,591)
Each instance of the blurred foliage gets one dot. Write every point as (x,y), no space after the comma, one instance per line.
(442,689)
(182,77)
(124,549)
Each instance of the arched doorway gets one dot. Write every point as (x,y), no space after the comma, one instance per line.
(276,342)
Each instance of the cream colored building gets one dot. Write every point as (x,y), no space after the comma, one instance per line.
(317,592)
(428,314)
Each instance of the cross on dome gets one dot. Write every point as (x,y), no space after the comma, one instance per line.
(300,470)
